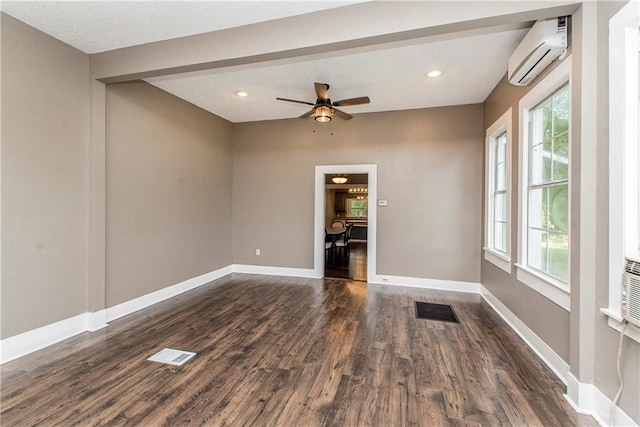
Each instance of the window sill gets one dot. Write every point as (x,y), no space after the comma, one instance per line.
(554,290)
(615,322)
(498,259)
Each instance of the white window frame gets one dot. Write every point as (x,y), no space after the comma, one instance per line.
(503,125)
(350,201)
(624,156)
(551,288)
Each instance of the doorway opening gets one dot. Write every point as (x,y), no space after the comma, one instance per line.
(346,224)
(355,213)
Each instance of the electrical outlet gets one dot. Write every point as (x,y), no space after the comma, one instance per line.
(257,251)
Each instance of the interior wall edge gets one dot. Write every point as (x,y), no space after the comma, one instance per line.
(28,342)
(16,346)
(168,192)
(133,305)
(589,399)
(537,344)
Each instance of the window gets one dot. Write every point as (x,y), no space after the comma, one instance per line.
(498,193)
(544,172)
(548,186)
(357,208)
(624,155)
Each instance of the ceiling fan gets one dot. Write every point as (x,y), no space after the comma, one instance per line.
(324,109)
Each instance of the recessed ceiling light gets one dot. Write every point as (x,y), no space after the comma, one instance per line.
(242,93)
(434,73)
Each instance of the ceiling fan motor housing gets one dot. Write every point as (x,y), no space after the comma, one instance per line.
(323,108)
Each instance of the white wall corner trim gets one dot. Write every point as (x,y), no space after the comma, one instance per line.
(36,339)
(588,399)
(415,282)
(139,303)
(544,352)
(97,320)
(275,271)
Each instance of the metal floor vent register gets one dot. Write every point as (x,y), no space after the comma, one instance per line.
(441,312)
(172,357)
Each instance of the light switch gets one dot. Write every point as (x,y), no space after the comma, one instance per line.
(383,203)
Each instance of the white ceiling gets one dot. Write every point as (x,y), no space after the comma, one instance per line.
(98,26)
(394,79)
(392,76)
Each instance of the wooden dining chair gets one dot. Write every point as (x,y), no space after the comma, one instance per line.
(337,223)
(329,247)
(342,242)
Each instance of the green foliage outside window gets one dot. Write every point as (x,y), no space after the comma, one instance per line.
(358,208)
(548,209)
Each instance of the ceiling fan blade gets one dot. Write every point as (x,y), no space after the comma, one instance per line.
(293,100)
(342,114)
(307,114)
(352,101)
(322,90)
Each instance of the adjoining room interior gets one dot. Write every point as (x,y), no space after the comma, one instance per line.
(175,249)
(346,208)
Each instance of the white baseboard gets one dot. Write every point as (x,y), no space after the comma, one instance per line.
(144,301)
(36,339)
(544,352)
(588,399)
(585,398)
(415,282)
(96,320)
(275,271)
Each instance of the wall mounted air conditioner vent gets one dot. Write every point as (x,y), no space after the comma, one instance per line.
(543,44)
(631,292)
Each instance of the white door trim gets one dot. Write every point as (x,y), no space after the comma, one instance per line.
(318,241)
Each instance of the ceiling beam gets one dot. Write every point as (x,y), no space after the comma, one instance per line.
(362,26)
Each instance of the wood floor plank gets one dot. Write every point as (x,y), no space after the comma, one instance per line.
(275,351)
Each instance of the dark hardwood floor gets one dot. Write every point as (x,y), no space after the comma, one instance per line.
(291,352)
(354,268)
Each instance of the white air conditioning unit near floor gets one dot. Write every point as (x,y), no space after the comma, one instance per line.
(631,292)
(543,44)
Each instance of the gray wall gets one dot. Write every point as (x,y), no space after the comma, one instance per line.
(169,170)
(45,134)
(171,179)
(429,168)
(548,320)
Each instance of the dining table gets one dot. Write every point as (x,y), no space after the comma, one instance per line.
(334,233)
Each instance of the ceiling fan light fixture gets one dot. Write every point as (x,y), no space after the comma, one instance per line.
(323,109)
(339,179)
(323,114)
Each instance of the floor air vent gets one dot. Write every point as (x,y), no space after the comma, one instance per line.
(172,357)
(430,311)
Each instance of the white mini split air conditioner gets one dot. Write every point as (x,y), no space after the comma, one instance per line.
(542,45)
(631,292)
